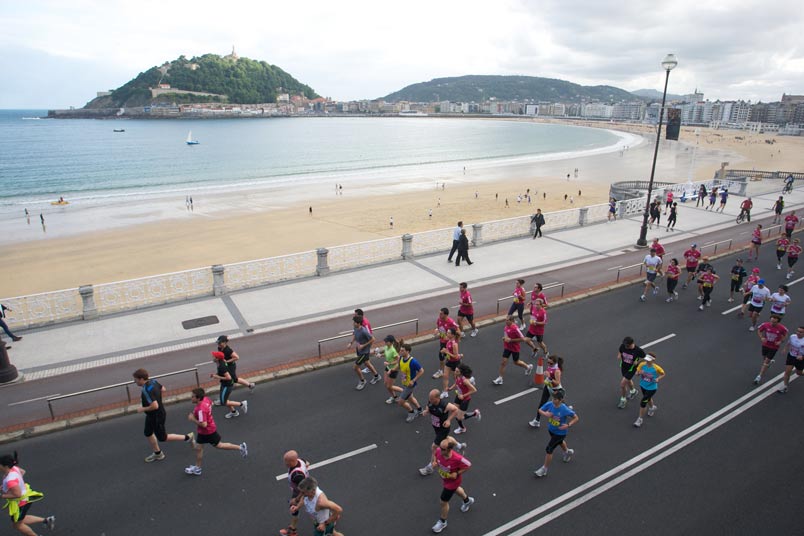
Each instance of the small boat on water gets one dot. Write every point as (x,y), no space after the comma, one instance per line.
(190,140)
(61,201)
(119,130)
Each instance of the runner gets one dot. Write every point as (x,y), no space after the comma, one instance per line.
(749,284)
(325,513)
(779,301)
(738,273)
(466,310)
(745,208)
(464,389)
(691,257)
(451,467)
(795,357)
(671,219)
(552,381)
(231,358)
(538,321)
(701,270)
(537,294)
(781,248)
(366,324)
(772,334)
(391,355)
(653,268)
(453,354)
(19,496)
(790,222)
(225,379)
(668,201)
(155,415)
(612,215)
(411,372)
(512,337)
(756,241)
(658,247)
(708,280)
(759,295)
(362,339)
(672,274)
(793,251)
(655,212)
(724,196)
(441,412)
(629,356)
(559,418)
(778,207)
(443,324)
(712,198)
(650,373)
(207,432)
(701,196)
(518,305)
(298,470)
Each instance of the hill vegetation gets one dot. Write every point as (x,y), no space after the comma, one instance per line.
(223,79)
(477,88)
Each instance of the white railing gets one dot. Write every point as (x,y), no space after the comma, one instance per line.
(154,290)
(597,213)
(632,207)
(45,308)
(429,242)
(363,253)
(249,274)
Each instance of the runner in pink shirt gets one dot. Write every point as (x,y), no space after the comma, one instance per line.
(443,324)
(672,273)
(691,257)
(749,284)
(466,309)
(772,334)
(538,321)
(781,248)
(790,222)
(451,467)
(207,431)
(453,356)
(512,337)
(668,201)
(518,305)
(537,294)
(756,241)
(366,323)
(793,251)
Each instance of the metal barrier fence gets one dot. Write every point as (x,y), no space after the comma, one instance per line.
(716,244)
(376,328)
(545,288)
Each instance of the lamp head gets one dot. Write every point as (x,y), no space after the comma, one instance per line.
(669,62)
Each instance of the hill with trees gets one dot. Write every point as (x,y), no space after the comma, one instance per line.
(215,79)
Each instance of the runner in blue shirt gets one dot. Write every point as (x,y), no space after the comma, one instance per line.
(559,417)
(649,373)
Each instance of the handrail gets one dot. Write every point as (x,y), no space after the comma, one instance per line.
(768,229)
(114,386)
(548,286)
(621,268)
(349,334)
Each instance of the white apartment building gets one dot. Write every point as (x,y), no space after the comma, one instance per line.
(629,111)
(596,110)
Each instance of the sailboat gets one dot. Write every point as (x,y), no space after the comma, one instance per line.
(190,140)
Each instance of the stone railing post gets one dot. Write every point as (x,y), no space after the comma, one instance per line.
(477,234)
(218,282)
(323,266)
(88,297)
(582,216)
(622,209)
(407,246)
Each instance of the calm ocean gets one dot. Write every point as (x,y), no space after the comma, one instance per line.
(41,160)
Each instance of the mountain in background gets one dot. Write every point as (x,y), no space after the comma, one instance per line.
(656,95)
(207,78)
(478,88)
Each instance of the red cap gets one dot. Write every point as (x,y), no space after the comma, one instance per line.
(218,355)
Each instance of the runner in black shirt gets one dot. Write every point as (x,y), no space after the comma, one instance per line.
(155,416)
(441,414)
(227,382)
(231,358)
(738,273)
(629,356)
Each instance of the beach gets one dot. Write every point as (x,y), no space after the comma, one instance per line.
(160,235)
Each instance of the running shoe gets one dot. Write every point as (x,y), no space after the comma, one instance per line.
(498,381)
(375,379)
(757,379)
(477,415)
(50,521)
(467,504)
(439,526)
(461,446)
(655,291)
(789,276)
(232,414)
(438,374)
(675,294)
(419,412)
(684,286)
(243,450)
(365,370)
(652,410)
(444,394)
(193,470)
(252,385)
(700,297)
(289,531)
(192,442)
(529,369)
(778,266)
(638,422)
(426,470)
(154,457)
(642,298)
(460,431)
(668,300)
(751,328)
(360,385)
(474,333)
(632,393)
(782,390)
(709,304)
(535,423)
(731,300)
(541,471)
(411,416)
(621,403)
(700,307)
(216,402)
(391,399)
(568,455)
(244,405)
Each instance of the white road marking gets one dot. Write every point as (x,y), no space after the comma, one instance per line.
(629,464)
(34,399)
(328,461)
(613,268)
(512,397)
(727,311)
(657,341)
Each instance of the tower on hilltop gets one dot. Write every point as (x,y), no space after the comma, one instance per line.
(233,56)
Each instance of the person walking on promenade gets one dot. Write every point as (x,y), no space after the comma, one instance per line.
(538,221)
(207,432)
(223,375)
(362,339)
(391,356)
(759,295)
(671,219)
(155,415)
(538,321)
(738,274)
(324,512)
(451,467)
(649,373)
(559,419)
(712,198)
(745,208)
(298,470)
(518,304)
(653,268)
(795,357)
(3,324)
(655,212)
(691,257)
(553,375)
(441,413)
(463,249)
(612,215)
(793,251)
(466,310)
(411,372)
(231,358)
(464,387)
(756,242)
(778,207)
(453,356)
(724,196)
(782,243)
(771,334)
(672,274)
(790,222)
(701,196)
(19,497)
(456,236)
(443,324)
(752,280)
(512,337)
(629,355)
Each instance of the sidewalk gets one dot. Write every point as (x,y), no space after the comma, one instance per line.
(128,336)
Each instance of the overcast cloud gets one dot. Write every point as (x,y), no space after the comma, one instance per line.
(58,54)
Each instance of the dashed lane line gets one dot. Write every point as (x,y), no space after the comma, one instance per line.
(334,459)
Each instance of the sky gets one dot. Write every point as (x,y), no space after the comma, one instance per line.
(56,54)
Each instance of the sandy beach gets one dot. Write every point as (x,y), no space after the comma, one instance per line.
(161,235)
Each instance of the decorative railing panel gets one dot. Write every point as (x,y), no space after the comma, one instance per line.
(155,290)
(364,253)
(271,270)
(45,308)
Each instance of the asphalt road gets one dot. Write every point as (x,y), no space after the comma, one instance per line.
(739,474)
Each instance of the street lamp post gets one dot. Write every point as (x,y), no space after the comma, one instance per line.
(668,64)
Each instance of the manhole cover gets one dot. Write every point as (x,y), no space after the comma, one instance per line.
(200,322)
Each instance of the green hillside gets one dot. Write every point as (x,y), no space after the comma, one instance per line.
(477,88)
(234,80)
